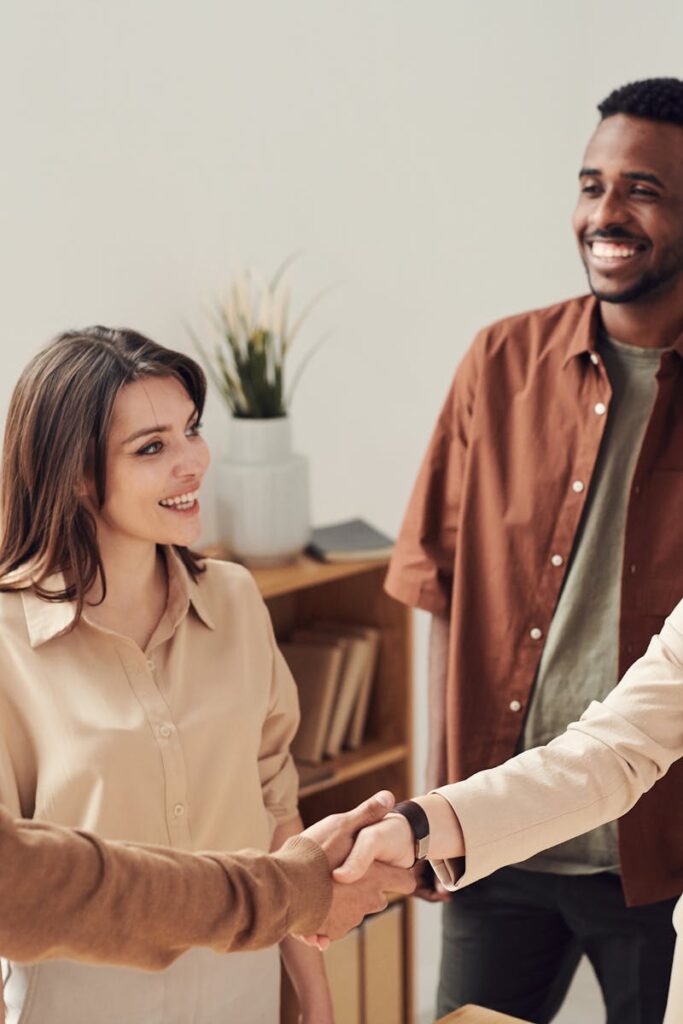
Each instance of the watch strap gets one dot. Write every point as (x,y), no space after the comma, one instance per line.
(419,824)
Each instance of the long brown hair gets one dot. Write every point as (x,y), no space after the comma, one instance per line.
(55,436)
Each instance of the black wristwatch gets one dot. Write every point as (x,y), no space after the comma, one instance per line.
(419,824)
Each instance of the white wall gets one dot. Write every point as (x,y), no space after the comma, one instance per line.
(422,155)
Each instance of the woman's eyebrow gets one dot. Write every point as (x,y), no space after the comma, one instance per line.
(145,430)
(157,429)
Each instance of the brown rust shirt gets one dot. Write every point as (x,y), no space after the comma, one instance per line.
(491,526)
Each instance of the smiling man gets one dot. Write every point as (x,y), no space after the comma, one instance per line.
(545,536)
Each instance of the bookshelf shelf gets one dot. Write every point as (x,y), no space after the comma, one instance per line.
(351,764)
(306,592)
(306,572)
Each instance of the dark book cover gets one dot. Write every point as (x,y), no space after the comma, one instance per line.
(348,541)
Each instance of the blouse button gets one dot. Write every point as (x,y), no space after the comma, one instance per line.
(165,731)
(179,810)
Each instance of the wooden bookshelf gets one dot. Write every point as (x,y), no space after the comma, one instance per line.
(351,764)
(304,592)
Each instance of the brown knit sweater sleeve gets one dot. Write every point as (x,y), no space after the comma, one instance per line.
(69,894)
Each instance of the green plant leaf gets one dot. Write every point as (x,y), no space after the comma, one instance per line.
(248,365)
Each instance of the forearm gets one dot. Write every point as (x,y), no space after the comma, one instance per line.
(591,774)
(68,894)
(306,970)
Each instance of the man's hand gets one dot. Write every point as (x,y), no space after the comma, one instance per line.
(337,832)
(351,903)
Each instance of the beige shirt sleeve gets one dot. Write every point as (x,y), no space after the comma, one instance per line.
(278,774)
(69,894)
(9,791)
(593,773)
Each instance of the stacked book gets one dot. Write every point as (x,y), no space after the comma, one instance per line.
(334,666)
(352,540)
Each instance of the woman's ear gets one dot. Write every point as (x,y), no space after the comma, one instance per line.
(87,489)
(86,492)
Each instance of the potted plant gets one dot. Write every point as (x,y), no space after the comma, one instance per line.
(263,489)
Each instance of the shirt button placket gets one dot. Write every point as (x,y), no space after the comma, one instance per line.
(173,767)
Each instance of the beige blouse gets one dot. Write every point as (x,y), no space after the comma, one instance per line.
(593,773)
(185,744)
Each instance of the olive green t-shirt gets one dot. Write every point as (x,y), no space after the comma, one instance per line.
(580,658)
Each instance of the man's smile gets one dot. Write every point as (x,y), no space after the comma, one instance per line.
(610,254)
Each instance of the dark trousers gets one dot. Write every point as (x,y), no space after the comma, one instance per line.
(512,943)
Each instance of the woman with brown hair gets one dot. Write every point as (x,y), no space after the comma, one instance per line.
(142,695)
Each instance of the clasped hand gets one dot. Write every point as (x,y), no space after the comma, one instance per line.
(369,856)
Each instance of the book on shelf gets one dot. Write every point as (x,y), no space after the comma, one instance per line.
(350,679)
(356,732)
(352,540)
(317,671)
(361,648)
(372,636)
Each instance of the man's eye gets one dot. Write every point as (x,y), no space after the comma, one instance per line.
(640,190)
(150,449)
(590,190)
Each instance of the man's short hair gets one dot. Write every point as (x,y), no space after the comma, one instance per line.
(655,99)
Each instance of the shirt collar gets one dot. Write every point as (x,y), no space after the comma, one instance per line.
(183,591)
(585,335)
(46,620)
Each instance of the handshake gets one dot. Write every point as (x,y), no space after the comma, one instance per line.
(369,856)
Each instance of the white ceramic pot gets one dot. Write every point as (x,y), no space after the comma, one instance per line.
(263,502)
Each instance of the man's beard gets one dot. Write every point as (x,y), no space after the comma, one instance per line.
(650,283)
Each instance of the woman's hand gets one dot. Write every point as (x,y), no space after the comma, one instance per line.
(390,841)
